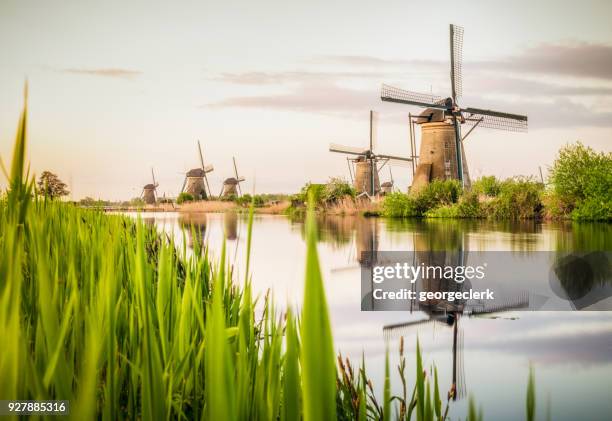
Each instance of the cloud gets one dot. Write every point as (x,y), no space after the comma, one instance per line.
(269,78)
(578,59)
(308,97)
(528,87)
(104,72)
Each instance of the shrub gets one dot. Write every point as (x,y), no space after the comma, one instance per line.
(518,198)
(582,181)
(184,197)
(468,206)
(487,185)
(437,193)
(336,189)
(399,205)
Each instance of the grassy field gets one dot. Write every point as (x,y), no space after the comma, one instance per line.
(103,311)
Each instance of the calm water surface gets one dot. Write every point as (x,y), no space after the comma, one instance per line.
(571,352)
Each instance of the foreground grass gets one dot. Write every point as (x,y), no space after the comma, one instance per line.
(102,311)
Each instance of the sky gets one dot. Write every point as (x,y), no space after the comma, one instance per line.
(118,88)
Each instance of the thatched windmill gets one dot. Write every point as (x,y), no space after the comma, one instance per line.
(196,182)
(366,180)
(231,186)
(149,191)
(442,155)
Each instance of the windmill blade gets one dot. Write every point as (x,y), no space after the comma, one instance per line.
(153,175)
(235,167)
(456,56)
(399,328)
(201,156)
(209,168)
(520,301)
(184,183)
(391,94)
(238,178)
(334,147)
(391,175)
(394,159)
(495,119)
(373,129)
(205,169)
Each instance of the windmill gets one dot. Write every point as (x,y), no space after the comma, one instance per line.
(196,182)
(366,180)
(442,155)
(149,191)
(231,186)
(387,186)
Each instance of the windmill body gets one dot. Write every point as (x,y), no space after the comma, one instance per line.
(149,191)
(196,182)
(231,185)
(442,155)
(366,176)
(438,152)
(148,194)
(195,185)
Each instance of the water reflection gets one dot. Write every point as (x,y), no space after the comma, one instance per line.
(466,350)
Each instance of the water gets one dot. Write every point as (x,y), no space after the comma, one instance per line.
(571,352)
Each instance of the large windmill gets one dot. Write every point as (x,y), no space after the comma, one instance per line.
(441,154)
(196,182)
(231,185)
(149,191)
(366,180)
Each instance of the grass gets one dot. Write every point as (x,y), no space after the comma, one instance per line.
(104,312)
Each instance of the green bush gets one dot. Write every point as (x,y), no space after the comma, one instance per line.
(184,197)
(399,205)
(487,185)
(336,189)
(518,198)
(468,206)
(581,180)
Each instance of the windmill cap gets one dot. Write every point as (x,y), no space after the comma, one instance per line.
(387,184)
(196,172)
(432,115)
(149,187)
(230,181)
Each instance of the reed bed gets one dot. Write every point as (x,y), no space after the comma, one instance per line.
(103,311)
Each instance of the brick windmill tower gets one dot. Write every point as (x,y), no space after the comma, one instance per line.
(442,155)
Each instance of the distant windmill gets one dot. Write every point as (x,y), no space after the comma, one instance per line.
(366,180)
(442,155)
(231,186)
(196,182)
(149,191)
(387,186)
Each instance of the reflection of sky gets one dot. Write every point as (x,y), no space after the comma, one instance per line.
(570,351)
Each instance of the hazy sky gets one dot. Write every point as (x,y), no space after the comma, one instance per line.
(119,87)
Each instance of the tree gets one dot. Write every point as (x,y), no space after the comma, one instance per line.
(51,186)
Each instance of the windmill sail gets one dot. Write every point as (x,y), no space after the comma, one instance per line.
(334,147)
(456,51)
(392,94)
(495,119)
